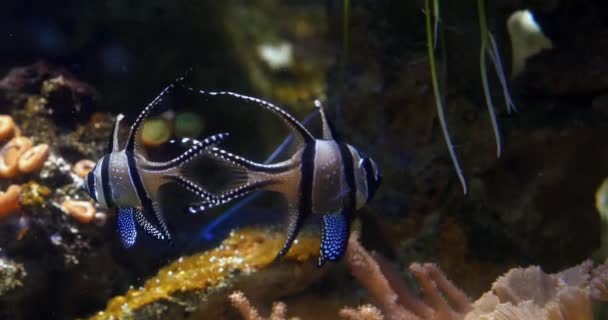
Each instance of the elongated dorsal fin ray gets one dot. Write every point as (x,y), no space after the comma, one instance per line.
(132,140)
(328,131)
(300,132)
(334,237)
(196,149)
(125,222)
(295,222)
(114,143)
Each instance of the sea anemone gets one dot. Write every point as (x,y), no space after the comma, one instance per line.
(81,211)
(83,167)
(10,154)
(9,201)
(33,159)
(7,127)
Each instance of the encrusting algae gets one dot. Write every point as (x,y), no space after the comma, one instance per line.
(243,253)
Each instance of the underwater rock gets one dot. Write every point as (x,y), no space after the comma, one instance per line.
(198,286)
(11,275)
(527,203)
(285,62)
(66,97)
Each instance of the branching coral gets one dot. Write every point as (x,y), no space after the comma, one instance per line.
(248,312)
(394,298)
(520,294)
(364,312)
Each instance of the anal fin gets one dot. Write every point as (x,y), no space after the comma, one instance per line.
(295,222)
(147,226)
(126,226)
(334,237)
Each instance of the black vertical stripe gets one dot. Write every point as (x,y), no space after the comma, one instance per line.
(307,171)
(349,201)
(91,184)
(146,202)
(105,181)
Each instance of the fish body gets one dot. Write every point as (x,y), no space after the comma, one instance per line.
(324,177)
(124,179)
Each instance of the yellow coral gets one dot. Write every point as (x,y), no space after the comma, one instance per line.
(247,250)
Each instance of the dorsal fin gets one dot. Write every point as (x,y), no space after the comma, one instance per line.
(114,144)
(131,141)
(299,131)
(328,130)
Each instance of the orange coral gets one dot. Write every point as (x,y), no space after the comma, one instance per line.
(9,201)
(81,211)
(10,154)
(248,312)
(33,159)
(365,312)
(83,167)
(7,127)
(394,299)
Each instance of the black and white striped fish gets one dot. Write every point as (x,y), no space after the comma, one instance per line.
(126,180)
(324,176)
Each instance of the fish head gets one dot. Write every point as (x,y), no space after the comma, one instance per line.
(93,184)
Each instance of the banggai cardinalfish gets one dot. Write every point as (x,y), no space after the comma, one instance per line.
(324,176)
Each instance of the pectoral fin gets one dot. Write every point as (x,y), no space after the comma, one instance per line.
(126,226)
(334,237)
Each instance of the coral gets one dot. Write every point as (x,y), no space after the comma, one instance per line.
(9,201)
(34,194)
(81,211)
(598,284)
(365,312)
(530,293)
(248,312)
(10,154)
(11,275)
(155,132)
(394,299)
(33,159)
(200,283)
(7,127)
(83,167)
